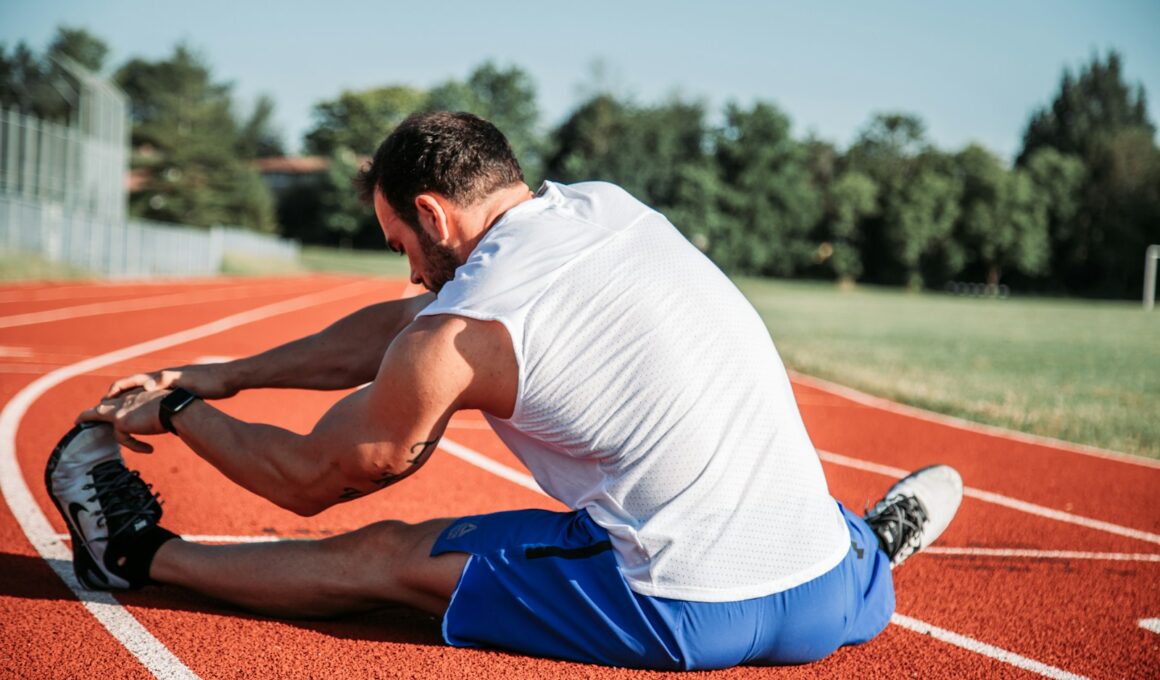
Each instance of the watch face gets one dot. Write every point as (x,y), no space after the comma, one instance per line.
(172,404)
(177,399)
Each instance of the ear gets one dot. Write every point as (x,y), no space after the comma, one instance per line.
(433,216)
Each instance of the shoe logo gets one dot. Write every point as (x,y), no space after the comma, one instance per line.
(75,509)
(94,576)
(461,530)
(858,549)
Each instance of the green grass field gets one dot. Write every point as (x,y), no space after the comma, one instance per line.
(1086,372)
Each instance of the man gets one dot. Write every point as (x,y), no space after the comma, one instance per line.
(627,373)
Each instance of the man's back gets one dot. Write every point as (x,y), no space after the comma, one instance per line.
(651,395)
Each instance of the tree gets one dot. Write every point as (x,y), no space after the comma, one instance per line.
(1119,217)
(257,137)
(1088,107)
(920,216)
(187,138)
(1104,122)
(39,85)
(507,98)
(1003,223)
(343,214)
(360,120)
(890,151)
(590,143)
(852,197)
(657,153)
(770,197)
(79,45)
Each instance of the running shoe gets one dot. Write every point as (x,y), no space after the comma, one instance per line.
(103,503)
(915,511)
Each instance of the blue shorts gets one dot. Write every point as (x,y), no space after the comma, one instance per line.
(547,584)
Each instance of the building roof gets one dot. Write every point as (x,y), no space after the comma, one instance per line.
(291,165)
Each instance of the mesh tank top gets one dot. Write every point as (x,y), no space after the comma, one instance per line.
(651,395)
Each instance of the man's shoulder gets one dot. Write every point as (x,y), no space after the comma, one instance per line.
(479,349)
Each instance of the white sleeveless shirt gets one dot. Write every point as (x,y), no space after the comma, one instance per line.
(651,395)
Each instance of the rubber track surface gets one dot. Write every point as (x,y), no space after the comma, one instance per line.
(1070,615)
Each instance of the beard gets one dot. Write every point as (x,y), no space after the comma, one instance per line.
(441,262)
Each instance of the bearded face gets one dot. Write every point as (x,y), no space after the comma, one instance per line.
(441,262)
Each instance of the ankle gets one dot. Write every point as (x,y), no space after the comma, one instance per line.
(132,557)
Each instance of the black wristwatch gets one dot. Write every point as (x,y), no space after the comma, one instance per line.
(172,404)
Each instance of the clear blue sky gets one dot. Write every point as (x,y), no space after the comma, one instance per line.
(973,72)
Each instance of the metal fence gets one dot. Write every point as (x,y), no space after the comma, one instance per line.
(63,197)
(129,249)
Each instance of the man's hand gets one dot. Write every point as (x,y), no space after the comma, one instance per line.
(208,381)
(133,412)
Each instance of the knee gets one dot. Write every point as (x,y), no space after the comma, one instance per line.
(377,546)
(388,562)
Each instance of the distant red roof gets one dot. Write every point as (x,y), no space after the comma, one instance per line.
(135,180)
(292,165)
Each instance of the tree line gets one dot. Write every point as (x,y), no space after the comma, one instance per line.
(1073,213)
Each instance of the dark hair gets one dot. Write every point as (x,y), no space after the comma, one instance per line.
(459,155)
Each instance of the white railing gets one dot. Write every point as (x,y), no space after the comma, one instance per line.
(63,197)
(131,249)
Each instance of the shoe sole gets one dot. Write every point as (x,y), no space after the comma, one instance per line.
(83,561)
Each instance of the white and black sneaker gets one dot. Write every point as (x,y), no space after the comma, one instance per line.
(915,511)
(110,512)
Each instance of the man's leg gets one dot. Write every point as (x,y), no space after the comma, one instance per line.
(380,564)
(113,518)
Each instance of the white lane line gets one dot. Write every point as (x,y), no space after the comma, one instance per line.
(11,351)
(498,469)
(1151,625)
(212,359)
(131,305)
(1000,499)
(217,538)
(930,416)
(1042,554)
(468,425)
(27,369)
(982,648)
(222,538)
(37,293)
(150,651)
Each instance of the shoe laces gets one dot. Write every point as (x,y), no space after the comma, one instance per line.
(898,521)
(122,498)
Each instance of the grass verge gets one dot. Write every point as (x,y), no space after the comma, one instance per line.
(20,266)
(376,263)
(1086,372)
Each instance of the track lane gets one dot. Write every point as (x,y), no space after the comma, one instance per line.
(1103,489)
(973,665)
(1072,614)
(34,522)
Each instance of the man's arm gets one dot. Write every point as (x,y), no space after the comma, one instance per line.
(345,354)
(368,440)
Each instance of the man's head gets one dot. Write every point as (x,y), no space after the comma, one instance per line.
(435,165)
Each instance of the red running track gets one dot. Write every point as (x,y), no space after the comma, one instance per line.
(1051,569)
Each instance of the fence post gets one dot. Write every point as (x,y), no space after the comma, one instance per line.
(1150,256)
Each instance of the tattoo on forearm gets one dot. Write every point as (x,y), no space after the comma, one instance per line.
(420,452)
